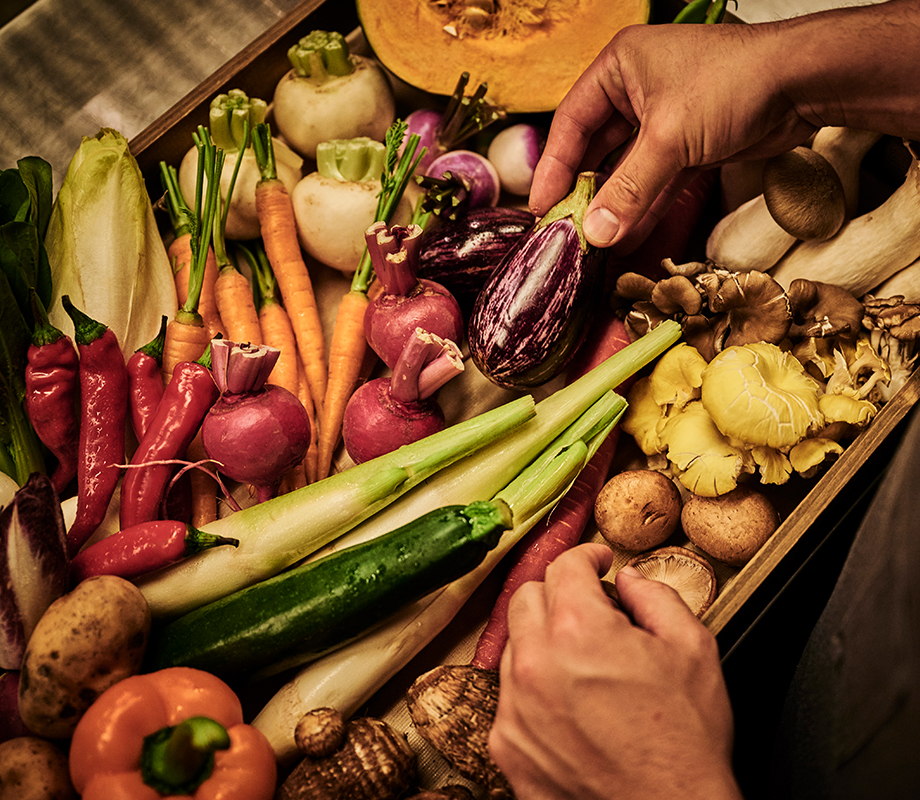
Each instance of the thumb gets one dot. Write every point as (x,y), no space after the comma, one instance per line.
(626,196)
(655,606)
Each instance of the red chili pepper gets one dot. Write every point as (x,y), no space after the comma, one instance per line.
(51,394)
(143,548)
(187,398)
(103,412)
(145,382)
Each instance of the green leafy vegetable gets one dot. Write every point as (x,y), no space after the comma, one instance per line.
(26,197)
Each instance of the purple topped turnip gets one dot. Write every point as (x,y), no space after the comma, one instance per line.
(531,317)
(387,413)
(514,152)
(407,302)
(331,93)
(458,182)
(256,431)
(441,131)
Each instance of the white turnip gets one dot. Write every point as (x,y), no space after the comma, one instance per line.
(406,301)
(335,205)
(227,114)
(256,431)
(330,93)
(387,413)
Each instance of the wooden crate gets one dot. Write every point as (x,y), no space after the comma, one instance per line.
(745,592)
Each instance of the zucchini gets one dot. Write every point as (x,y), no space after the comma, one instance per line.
(301,614)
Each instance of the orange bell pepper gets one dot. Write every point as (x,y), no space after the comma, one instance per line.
(174,733)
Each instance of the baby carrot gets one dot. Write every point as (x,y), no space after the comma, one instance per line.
(274,321)
(187,336)
(181,254)
(279,233)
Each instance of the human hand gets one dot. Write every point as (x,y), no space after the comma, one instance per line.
(696,96)
(593,705)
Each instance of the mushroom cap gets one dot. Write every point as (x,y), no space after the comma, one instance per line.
(804,194)
(637,509)
(761,395)
(730,528)
(685,571)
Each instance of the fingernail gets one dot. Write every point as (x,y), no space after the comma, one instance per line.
(601,226)
(632,572)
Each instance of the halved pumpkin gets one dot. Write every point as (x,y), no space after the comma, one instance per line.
(528,52)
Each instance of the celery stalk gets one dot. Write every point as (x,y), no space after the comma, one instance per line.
(281,531)
(347,678)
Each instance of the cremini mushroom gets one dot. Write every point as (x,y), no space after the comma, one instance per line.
(732,527)
(804,194)
(687,572)
(637,509)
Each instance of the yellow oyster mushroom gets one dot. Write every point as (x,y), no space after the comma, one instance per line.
(845,407)
(808,456)
(774,466)
(642,417)
(761,395)
(678,375)
(704,461)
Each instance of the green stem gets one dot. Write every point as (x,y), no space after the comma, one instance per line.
(573,206)
(85,329)
(196,541)
(395,178)
(44,332)
(321,56)
(264,151)
(465,116)
(231,116)
(154,348)
(351,160)
(176,760)
(181,217)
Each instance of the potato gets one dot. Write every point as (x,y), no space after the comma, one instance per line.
(637,509)
(32,768)
(85,642)
(730,527)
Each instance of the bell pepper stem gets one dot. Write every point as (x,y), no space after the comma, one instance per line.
(177,759)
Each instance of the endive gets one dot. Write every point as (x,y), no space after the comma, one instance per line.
(104,247)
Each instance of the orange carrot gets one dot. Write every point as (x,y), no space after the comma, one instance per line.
(236,305)
(179,252)
(311,458)
(204,487)
(346,357)
(279,234)
(187,336)
(274,322)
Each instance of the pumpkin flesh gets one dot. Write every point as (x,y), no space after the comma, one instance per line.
(528,52)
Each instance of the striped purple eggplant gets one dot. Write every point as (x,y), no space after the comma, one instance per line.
(461,254)
(532,314)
